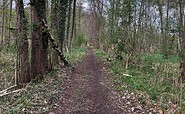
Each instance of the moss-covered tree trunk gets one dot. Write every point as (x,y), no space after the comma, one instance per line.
(62,9)
(39,58)
(24,67)
(68,24)
(54,27)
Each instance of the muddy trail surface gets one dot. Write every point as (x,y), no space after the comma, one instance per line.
(89,90)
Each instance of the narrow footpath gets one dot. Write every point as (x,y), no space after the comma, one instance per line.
(90,90)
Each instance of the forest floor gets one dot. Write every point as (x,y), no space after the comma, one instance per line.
(89,89)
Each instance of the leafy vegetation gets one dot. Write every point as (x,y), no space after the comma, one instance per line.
(76,54)
(157,78)
(143,42)
(36,97)
(7,69)
(81,39)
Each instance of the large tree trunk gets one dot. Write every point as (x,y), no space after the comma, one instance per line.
(39,58)
(24,68)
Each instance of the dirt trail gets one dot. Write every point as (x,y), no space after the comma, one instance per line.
(89,90)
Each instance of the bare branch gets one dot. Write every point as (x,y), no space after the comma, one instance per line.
(5,90)
(15,91)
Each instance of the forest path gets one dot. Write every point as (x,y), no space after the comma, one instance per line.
(90,90)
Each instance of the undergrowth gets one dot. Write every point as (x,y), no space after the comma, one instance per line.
(155,80)
(76,54)
(36,97)
(7,66)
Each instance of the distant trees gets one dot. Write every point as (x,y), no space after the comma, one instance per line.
(129,27)
(133,27)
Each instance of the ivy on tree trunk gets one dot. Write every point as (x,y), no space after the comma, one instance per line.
(62,9)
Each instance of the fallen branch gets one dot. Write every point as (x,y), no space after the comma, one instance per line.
(127,75)
(15,91)
(54,45)
(5,90)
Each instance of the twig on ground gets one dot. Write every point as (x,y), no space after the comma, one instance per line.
(5,90)
(127,75)
(15,91)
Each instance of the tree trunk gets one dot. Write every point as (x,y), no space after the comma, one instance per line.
(24,67)
(68,24)
(53,43)
(182,35)
(62,21)
(3,24)
(10,19)
(73,23)
(54,27)
(160,5)
(39,58)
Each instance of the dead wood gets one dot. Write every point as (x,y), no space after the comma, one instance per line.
(7,89)
(53,43)
(15,91)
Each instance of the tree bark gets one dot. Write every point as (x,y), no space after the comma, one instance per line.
(54,28)
(68,24)
(53,43)
(182,35)
(73,23)
(62,21)
(39,58)
(3,24)
(10,19)
(24,70)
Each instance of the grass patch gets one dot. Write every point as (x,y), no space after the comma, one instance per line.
(101,54)
(7,67)
(76,54)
